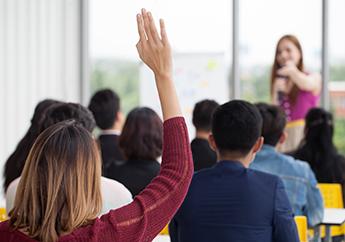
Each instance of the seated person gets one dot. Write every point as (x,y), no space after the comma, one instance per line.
(105,107)
(141,142)
(61,203)
(318,149)
(229,202)
(203,155)
(299,180)
(66,111)
(15,163)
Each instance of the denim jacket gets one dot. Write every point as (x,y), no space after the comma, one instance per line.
(299,181)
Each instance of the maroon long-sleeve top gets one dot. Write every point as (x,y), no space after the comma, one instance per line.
(151,210)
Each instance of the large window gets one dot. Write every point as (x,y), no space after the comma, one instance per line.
(193,26)
(337,69)
(262,23)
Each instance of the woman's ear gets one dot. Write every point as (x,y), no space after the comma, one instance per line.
(212,143)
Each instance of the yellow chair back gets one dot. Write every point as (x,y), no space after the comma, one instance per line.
(165,231)
(3,214)
(332,195)
(332,198)
(302,228)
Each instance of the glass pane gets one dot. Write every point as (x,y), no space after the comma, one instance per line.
(200,35)
(337,70)
(262,23)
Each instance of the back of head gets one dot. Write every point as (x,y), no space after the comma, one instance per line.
(273,122)
(105,105)
(60,184)
(202,114)
(65,111)
(317,146)
(319,128)
(142,135)
(236,127)
(40,111)
(15,163)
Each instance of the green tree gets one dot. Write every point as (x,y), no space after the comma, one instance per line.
(122,76)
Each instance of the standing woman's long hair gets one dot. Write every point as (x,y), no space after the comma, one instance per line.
(60,185)
(318,149)
(15,163)
(294,91)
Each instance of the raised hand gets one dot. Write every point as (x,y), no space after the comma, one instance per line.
(154,50)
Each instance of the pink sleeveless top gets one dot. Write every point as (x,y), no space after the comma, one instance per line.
(305,101)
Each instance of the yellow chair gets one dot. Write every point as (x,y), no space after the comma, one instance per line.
(332,195)
(165,231)
(332,198)
(302,228)
(3,214)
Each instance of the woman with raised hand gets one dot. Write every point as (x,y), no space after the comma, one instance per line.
(293,88)
(61,203)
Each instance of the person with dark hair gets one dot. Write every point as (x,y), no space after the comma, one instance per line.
(65,111)
(81,115)
(15,163)
(63,204)
(105,106)
(229,202)
(299,180)
(318,149)
(141,142)
(203,155)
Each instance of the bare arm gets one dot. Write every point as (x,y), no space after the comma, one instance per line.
(311,82)
(152,209)
(155,52)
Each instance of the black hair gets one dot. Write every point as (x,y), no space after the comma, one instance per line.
(202,114)
(105,105)
(142,135)
(15,163)
(273,122)
(318,149)
(65,111)
(236,127)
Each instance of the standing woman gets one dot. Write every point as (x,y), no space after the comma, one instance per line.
(60,201)
(292,88)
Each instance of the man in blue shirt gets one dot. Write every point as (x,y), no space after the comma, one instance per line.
(298,178)
(229,202)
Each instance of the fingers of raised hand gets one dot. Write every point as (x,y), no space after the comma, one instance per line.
(163,32)
(154,32)
(141,29)
(146,22)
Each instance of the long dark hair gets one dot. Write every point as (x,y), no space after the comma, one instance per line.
(15,163)
(318,149)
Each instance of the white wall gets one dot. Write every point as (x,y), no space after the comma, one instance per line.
(39,58)
(197,76)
